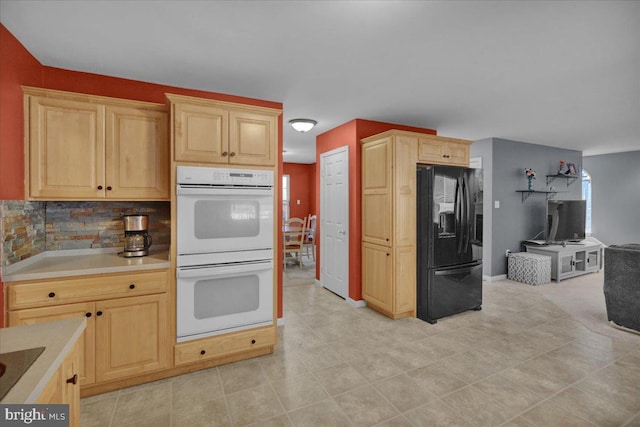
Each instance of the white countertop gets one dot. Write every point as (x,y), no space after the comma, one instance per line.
(57,337)
(52,264)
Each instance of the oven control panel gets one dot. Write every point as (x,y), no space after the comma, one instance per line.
(222,176)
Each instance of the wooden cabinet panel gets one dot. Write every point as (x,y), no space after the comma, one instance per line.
(86,342)
(404,191)
(86,147)
(389,202)
(54,391)
(200,133)
(131,336)
(443,151)
(457,153)
(376,192)
(405,282)
(377,286)
(224,345)
(138,151)
(252,139)
(218,132)
(64,388)
(66,149)
(84,288)
(71,367)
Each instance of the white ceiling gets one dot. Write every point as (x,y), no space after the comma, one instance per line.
(564,74)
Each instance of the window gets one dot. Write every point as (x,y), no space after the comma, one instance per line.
(586,195)
(286,182)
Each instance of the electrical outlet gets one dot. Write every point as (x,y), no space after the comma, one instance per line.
(507,252)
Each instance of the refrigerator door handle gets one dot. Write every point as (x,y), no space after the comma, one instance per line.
(467,221)
(458,225)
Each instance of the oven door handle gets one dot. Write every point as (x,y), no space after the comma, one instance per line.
(223,270)
(218,191)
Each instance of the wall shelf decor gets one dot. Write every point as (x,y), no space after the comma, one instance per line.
(549,193)
(570,179)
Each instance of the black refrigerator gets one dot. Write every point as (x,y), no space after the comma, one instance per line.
(449,241)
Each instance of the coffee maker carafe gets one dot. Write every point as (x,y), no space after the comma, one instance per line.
(136,239)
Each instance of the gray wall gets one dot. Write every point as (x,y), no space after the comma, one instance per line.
(484,150)
(514,221)
(615,192)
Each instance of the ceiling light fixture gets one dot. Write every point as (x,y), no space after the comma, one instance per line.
(302,125)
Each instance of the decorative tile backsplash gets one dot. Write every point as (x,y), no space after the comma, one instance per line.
(23,233)
(29,228)
(85,225)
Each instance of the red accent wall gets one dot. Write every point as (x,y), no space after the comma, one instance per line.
(18,67)
(302,188)
(350,134)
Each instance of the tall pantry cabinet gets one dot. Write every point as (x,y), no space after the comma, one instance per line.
(388,223)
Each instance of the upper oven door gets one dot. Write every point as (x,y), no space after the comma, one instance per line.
(224,219)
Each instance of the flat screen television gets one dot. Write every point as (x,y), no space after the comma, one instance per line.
(566,220)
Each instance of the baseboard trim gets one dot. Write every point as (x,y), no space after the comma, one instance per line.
(280,321)
(494,278)
(357,304)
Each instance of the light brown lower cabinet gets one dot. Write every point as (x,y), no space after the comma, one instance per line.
(131,336)
(60,312)
(388,279)
(125,336)
(64,387)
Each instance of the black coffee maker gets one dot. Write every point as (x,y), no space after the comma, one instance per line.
(136,237)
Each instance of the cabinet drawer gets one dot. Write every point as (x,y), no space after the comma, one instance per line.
(224,345)
(87,288)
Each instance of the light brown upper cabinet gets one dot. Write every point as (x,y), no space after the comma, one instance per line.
(439,150)
(217,132)
(85,147)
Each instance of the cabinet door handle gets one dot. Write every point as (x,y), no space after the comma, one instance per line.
(386,240)
(109,188)
(88,314)
(99,187)
(253,341)
(73,379)
(232,154)
(99,313)
(132,286)
(202,352)
(387,254)
(224,154)
(52,294)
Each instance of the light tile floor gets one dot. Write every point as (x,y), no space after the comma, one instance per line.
(520,362)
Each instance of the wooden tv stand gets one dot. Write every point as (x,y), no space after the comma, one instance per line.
(571,259)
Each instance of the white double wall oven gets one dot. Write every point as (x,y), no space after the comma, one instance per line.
(225,250)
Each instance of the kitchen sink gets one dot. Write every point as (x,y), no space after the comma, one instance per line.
(13,365)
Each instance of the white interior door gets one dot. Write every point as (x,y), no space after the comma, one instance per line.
(334,217)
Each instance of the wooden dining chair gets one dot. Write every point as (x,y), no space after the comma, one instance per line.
(293,240)
(310,236)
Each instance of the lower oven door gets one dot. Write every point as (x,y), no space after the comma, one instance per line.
(213,300)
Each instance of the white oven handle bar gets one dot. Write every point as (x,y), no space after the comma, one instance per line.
(224,191)
(222,270)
